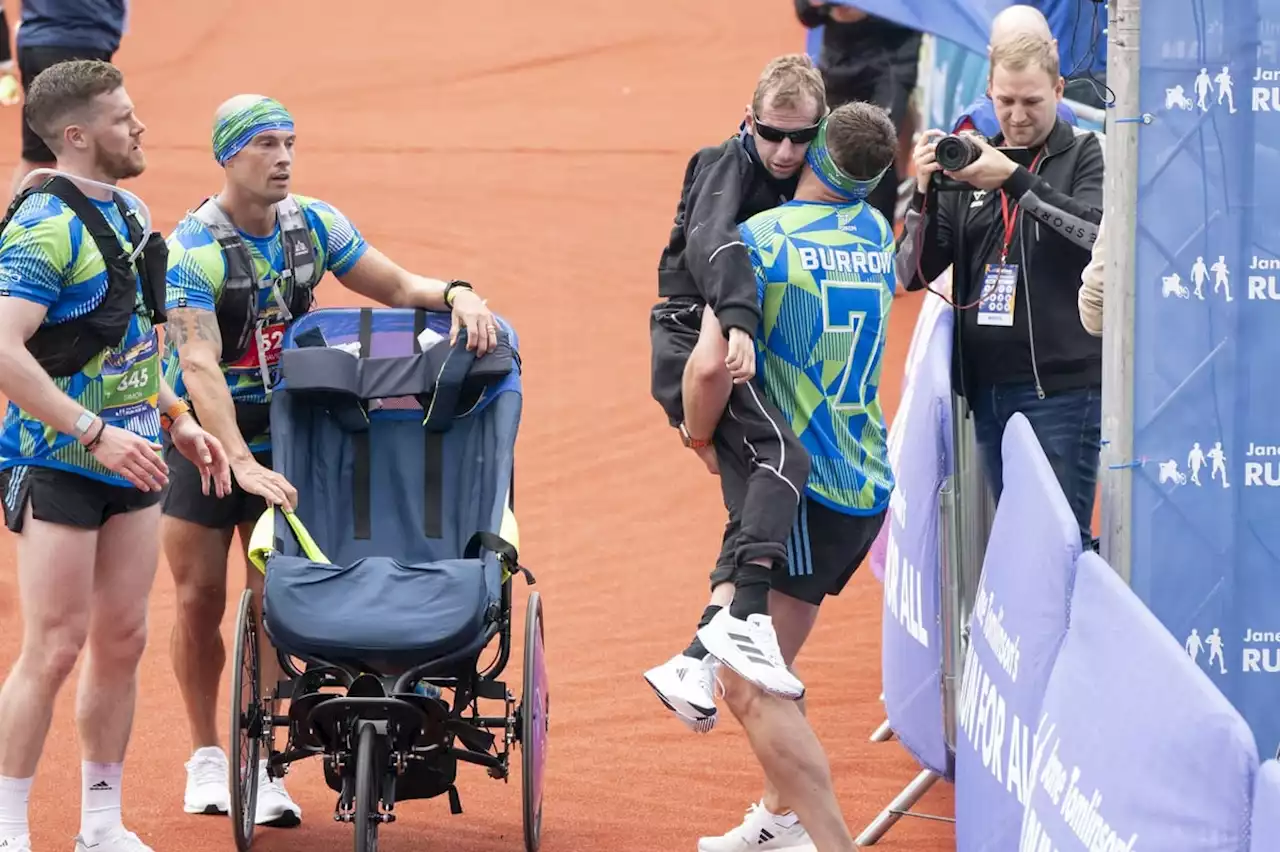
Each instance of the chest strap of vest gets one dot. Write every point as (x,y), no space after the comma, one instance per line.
(63,349)
(237,308)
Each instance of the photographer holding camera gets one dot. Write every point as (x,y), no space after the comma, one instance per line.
(1016,218)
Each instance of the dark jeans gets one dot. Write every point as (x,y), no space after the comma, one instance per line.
(1069,426)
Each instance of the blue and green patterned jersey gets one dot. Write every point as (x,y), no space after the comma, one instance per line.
(197,273)
(47,257)
(825,277)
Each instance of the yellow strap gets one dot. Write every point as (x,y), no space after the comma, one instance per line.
(510,532)
(261,541)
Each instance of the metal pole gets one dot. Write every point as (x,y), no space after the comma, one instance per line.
(1121,205)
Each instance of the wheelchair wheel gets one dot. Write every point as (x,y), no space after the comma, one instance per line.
(533,728)
(368,789)
(246,725)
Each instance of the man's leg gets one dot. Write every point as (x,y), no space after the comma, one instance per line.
(275,807)
(127,555)
(1069,426)
(756,440)
(196,533)
(55,586)
(825,549)
(792,757)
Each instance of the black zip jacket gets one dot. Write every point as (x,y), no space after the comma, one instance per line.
(1060,206)
(705,258)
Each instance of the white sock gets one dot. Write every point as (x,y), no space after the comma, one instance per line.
(14,793)
(99,799)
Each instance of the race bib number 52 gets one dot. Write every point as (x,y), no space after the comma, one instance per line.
(267,342)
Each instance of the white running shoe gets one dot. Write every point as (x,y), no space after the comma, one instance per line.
(116,840)
(21,843)
(275,807)
(208,786)
(761,831)
(750,648)
(686,686)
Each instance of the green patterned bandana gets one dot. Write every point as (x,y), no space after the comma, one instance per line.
(234,130)
(824,166)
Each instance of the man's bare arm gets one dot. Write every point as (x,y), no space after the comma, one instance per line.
(22,380)
(378,277)
(198,341)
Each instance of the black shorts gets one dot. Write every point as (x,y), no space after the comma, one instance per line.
(185,500)
(674,327)
(31,61)
(824,550)
(61,497)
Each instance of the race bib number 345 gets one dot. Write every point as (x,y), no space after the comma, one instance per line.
(131,381)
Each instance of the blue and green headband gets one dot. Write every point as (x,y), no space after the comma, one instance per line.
(824,166)
(235,129)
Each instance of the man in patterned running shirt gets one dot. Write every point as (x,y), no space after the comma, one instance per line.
(80,465)
(242,266)
(824,265)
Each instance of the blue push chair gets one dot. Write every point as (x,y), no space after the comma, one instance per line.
(394,575)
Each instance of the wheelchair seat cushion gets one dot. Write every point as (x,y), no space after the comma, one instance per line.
(375,609)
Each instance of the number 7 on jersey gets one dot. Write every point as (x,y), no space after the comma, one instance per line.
(847,308)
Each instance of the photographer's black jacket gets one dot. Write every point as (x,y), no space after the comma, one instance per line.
(705,258)
(1057,223)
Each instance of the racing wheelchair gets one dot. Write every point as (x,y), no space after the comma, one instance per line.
(393,575)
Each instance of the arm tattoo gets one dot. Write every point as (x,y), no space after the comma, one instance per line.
(182,327)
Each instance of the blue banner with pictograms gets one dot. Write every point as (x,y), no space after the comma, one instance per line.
(1206,490)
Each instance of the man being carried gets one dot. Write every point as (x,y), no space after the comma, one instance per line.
(80,465)
(242,267)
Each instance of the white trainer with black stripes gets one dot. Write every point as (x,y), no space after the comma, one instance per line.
(686,685)
(761,831)
(750,648)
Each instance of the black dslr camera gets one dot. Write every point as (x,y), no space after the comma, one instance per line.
(958,150)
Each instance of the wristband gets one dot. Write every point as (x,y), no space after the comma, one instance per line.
(172,413)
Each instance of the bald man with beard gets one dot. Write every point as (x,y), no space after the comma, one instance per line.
(243,266)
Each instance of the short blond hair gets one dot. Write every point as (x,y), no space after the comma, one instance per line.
(786,80)
(1019,51)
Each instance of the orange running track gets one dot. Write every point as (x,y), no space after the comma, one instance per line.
(540,156)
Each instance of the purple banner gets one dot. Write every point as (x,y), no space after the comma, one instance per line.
(1138,749)
(1264,831)
(931,309)
(1018,621)
(911,646)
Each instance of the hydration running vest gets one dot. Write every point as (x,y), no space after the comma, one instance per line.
(65,348)
(237,309)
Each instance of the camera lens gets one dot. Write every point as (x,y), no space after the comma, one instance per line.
(955,152)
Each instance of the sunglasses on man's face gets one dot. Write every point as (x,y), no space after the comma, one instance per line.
(799,136)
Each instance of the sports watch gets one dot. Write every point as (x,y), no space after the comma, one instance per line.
(457,282)
(690,441)
(83,422)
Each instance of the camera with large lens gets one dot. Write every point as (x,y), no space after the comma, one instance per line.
(955,152)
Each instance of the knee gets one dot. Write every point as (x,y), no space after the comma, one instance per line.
(53,650)
(744,699)
(201,604)
(120,645)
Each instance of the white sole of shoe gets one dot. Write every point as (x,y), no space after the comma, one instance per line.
(207,810)
(696,719)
